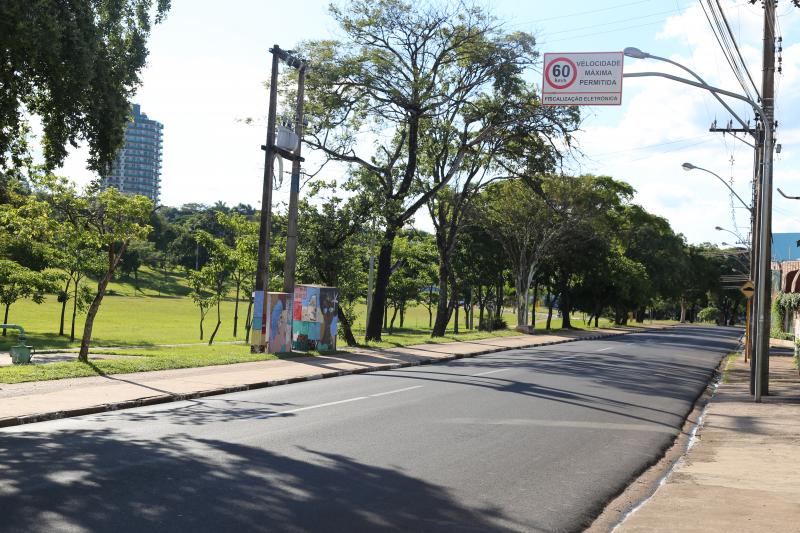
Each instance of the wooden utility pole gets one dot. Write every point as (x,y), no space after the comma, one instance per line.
(294,190)
(262,268)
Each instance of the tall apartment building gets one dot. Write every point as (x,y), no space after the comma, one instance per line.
(137,168)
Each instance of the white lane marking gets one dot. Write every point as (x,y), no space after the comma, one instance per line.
(299,409)
(394,391)
(490,372)
(604,349)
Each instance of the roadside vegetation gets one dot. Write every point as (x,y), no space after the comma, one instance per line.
(460,140)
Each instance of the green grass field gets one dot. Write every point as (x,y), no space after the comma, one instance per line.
(143,323)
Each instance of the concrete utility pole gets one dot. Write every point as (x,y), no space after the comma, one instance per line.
(294,191)
(763,286)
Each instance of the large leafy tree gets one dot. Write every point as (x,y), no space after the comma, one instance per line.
(332,251)
(107,222)
(400,69)
(74,65)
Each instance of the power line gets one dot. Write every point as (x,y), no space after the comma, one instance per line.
(671,11)
(736,46)
(580,13)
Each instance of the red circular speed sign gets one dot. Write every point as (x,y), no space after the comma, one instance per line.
(560,73)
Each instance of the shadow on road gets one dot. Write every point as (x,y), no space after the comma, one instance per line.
(106,481)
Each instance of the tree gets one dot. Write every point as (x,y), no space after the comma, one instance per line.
(25,223)
(74,65)
(649,240)
(210,283)
(523,224)
(414,256)
(18,282)
(331,250)
(587,209)
(138,254)
(75,253)
(242,259)
(110,220)
(401,65)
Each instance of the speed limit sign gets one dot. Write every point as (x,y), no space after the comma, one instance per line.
(561,72)
(588,78)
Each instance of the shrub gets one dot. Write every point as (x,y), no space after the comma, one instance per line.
(709,314)
(489,324)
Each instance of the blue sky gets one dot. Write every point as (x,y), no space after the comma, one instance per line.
(209,60)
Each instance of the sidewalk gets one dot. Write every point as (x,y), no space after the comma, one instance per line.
(22,403)
(743,474)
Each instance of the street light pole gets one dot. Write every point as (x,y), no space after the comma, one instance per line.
(764,206)
(689,166)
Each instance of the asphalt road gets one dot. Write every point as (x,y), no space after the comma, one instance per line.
(530,440)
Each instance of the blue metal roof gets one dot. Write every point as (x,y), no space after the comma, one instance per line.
(784,246)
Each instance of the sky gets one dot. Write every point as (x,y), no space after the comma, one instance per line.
(208,62)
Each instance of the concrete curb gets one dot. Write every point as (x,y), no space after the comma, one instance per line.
(167,398)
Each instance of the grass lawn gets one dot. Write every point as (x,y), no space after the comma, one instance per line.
(173,358)
(144,321)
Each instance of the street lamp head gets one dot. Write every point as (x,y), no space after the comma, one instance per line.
(719,228)
(688,166)
(634,52)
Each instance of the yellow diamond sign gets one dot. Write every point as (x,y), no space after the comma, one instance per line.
(748,289)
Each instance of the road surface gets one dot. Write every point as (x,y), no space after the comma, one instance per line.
(530,440)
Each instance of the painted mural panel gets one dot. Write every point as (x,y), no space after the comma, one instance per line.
(279,311)
(329,302)
(257,322)
(315,318)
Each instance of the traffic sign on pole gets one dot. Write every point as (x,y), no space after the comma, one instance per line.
(589,78)
(748,289)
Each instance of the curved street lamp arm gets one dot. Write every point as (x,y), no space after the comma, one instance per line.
(715,90)
(788,197)
(701,80)
(728,186)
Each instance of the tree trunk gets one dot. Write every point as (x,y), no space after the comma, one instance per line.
(683,310)
(347,328)
(499,298)
(566,310)
(381,283)
(202,317)
(391,324)
(385,317)
(113,262)
(74,313)
(550,301)
(533,309)
(216,328)
(402,316)
(236,310)
(522,306)
(5,319)
(64,308)
(443,310)
(247,320)
(455,327)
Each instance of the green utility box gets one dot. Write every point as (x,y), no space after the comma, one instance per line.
(21,353)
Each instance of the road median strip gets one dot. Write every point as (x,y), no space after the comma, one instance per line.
(166,397)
